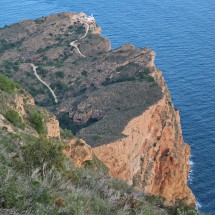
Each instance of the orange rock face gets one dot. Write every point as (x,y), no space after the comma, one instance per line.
(79,152)
(153,155)
(53,128)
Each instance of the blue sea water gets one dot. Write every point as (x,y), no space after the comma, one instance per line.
(182,32)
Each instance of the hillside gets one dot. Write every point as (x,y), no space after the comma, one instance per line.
(37,178)
(82,86)
(115,100)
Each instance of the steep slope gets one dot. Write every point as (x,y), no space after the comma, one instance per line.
(36,178)
(116,100)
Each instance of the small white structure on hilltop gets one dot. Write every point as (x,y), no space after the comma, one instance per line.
(90,19)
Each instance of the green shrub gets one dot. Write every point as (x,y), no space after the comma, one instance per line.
(59,86)
(59,65)
(154,200)
(182,209)
(13,116)
(59,74)
(42,71)
(66,133)
(70,27)
(40,50)
(121,185)
(6,45)
(84,73)
(80,29)
(7,85)
(96,165)
(20,192)
(37,122)
(10,65)
(41,154)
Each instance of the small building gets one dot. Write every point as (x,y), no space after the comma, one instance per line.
(90,19)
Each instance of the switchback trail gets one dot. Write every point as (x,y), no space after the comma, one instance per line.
(73,42)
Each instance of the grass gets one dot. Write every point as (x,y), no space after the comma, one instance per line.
(44,188)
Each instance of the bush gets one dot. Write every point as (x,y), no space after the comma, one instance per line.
(41,155)
(66,133)
(182,209)
(13,116)
(59,86)
(6,45)
(70,27)
(96,165)
(20,192)
(42,71)
(80,29)
(8,65)
(7,85)
(84,73)
(59,74)
(37,122)
(40,50)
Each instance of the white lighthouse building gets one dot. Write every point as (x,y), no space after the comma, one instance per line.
(90,19)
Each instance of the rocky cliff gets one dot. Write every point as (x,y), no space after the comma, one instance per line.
(36,178)
(153,155)
(116,100)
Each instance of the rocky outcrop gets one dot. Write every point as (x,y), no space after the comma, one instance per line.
(79,152)
(21,102)
(52,127)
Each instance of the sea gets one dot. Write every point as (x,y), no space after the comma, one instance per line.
(182,33)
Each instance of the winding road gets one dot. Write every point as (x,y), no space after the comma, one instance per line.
(73,44)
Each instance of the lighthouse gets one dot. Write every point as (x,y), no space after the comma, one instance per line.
(90,19)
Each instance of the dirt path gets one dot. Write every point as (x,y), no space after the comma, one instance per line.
(73,43)
(43,82)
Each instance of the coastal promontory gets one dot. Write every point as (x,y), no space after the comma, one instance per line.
(116,101)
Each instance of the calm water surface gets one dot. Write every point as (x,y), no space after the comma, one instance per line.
(182,34)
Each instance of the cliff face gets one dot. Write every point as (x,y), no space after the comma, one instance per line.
(153,156)
(116,100)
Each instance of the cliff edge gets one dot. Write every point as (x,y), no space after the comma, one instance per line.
(152,156)
(116,100)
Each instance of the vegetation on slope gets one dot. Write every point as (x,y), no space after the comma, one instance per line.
(36,177)
(7,85)
(82,85)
